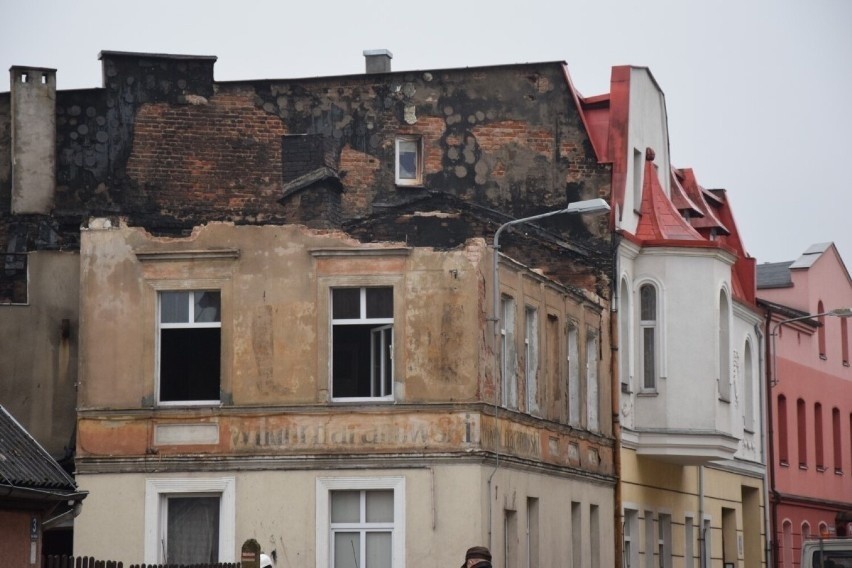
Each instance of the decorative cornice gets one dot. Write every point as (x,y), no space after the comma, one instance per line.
(177,255)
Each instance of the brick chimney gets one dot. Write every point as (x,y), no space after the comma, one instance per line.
(33,93)
(378,60)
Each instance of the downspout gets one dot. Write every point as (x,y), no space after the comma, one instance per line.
(498,378)
(765,446)
(615,355)
(772,494)
(702,540)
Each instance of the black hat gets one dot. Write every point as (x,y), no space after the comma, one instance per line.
(477,552)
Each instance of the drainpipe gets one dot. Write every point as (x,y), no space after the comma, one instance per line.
(766,444)
(615,369)
(702,540)
(772,495)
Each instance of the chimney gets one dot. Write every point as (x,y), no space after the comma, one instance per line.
(33,93)
(378,60)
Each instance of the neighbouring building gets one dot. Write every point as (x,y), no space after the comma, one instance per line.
(689,341)
(811,398)
(38,499)
(273,300)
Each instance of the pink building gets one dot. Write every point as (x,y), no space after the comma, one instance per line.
(810,391)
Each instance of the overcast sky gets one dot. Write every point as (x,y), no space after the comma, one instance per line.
(759,92)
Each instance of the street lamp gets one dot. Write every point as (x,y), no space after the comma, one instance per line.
(587,206)
(836,312)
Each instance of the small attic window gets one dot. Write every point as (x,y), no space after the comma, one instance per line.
(409,161)
(44,79)
(25,77)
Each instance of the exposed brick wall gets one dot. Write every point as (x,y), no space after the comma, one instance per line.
(223,157)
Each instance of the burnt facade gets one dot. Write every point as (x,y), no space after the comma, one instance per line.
(322,246)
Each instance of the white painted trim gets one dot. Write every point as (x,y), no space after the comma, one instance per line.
(324,485)
(662,368)
(155,488)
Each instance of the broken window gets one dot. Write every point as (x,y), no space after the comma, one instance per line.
(189,347)
(13,279)
(531,358)
(409,160)
(362,343)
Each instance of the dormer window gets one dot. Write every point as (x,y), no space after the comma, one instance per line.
(409,161)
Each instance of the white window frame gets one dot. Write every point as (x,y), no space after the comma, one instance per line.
(630,536)
(191,324)
(324,487)
(659,335)
(531,357)
(664,539)
(157,490)
(689,541)
(417,181)
(650,540)
(381,325)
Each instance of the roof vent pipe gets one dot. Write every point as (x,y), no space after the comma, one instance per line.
(378,60)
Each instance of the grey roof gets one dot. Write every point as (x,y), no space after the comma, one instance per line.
(774,275)
(24,463)
(810,256)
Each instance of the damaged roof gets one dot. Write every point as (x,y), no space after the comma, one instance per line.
(24,464)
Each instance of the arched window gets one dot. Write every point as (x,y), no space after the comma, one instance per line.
(823,529)
(724,347)
(748,388)
(821,331)
(818,439)
(783,456)
(787,544)
(806,531)
(802,434)
(648,320)
(625,337)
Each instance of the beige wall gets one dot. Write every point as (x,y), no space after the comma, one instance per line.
(446,512)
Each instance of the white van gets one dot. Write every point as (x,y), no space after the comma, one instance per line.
(827,553)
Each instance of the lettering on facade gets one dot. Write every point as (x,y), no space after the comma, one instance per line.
(514,441)
(435,432)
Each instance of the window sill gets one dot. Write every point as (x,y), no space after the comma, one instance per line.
(846,363)
(411,185)
(820,469)
(803,467)
(647,393)
(725,400)
(838,472)
(823,356)
(190,404)
(748,431)
(362,400)
(784,464)
(625,388)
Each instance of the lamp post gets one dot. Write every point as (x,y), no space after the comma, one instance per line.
(837,312)
(587,206)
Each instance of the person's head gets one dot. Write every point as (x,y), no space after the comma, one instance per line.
(475,555)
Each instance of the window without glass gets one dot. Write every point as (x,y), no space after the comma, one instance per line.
(573,375)
(362,343)
(510,539)
(532,532)
(592,400)
(576,533)
(595,537)
(648,336)
(189,346)
(409,161)
(362,527)
(508,355)
(531,358)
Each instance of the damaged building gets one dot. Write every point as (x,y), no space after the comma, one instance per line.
(266,309)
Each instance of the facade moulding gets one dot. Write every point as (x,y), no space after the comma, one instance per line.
(346,252)
(164,256)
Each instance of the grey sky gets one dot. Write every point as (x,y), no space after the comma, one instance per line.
(758,91)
